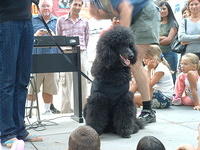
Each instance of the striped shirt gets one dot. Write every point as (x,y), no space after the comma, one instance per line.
(67,27)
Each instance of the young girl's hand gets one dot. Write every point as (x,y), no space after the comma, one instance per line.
(151,64)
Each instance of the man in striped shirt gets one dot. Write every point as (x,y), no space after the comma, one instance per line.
(73,25)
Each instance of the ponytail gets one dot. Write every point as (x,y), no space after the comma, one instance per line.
(164,61)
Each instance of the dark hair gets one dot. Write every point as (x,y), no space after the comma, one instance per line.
(150,143)
(184,8)
(84,138)
(171,17)
(71,1)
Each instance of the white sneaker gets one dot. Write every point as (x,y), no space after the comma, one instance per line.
(47,112)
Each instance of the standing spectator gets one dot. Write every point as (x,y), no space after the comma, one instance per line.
(73,25)
(185,12)
(189,33)
(187,87)
(16,43)
(168,30)
(49,80)
(114,22)
(143,18)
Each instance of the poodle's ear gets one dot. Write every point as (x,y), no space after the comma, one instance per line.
(106,56)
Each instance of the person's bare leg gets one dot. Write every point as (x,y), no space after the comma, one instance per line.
(137,99)
(31,97)
(48,98)
(140,73)
(147,115)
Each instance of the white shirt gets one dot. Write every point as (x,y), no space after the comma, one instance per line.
(165,85)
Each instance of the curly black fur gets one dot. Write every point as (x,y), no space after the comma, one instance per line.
(110,107)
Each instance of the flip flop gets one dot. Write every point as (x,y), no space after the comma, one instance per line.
(9,143)
(33,138)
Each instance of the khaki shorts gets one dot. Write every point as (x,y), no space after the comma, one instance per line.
(48,80)
(146,27)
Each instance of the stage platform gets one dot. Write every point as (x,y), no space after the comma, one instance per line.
(174,126)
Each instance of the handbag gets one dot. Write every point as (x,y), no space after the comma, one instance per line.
(176,45)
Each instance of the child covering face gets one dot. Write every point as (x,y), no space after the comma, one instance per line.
(161,82)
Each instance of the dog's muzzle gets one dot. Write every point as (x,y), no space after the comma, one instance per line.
(128,54)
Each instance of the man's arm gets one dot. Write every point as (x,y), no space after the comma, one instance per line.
(125,13)
(98,13)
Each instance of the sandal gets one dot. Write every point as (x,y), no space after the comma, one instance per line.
(33,138)
(9,143)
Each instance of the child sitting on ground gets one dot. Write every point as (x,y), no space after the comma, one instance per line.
(187,86)
(161,82)
(150,143)
(84,138)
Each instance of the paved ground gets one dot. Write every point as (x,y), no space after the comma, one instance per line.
(174,126)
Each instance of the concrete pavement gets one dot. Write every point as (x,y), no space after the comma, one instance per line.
(176,125)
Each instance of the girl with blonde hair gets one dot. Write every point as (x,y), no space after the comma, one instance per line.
(161,81)
(187,87)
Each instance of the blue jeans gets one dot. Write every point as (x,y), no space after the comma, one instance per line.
(16,42)
(172,59)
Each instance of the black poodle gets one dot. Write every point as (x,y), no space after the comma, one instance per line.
(110,107)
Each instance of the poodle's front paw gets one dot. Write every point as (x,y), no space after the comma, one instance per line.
(125,133)
(126,136)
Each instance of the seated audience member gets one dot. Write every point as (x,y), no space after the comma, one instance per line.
(187,87)
(84,138)
(161,81)
(150,143)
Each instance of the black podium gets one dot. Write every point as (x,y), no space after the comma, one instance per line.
(50,63)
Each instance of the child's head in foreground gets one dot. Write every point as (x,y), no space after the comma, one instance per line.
(84,138)
(150,143)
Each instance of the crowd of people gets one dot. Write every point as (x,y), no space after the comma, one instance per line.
(160,79)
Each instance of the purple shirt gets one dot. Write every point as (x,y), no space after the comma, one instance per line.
(67,27)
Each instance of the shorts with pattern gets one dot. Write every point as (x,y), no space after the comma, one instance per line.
(160,101)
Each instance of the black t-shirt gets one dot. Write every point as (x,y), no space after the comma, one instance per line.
(15,10)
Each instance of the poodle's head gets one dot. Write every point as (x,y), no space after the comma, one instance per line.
(113,43)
